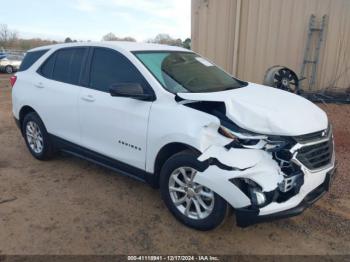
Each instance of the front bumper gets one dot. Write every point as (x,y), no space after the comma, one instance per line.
(246,217)
(259,167)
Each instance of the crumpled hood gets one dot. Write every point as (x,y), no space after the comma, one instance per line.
(267,110)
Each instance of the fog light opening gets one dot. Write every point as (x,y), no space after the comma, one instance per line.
(258,198)
(253,191)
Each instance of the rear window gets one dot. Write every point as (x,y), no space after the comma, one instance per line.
(61,69)
(30,58)
(65,65)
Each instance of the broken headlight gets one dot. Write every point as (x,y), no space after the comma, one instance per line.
(274,144)
(238,138)
(270,144)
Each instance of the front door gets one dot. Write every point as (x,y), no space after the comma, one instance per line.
(113,126)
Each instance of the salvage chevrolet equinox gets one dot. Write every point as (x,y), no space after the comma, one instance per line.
(167,116)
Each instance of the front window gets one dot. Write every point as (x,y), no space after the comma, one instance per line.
(109,67)
(187,72)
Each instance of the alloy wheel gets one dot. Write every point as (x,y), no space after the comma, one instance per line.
(193,200)
(34,137)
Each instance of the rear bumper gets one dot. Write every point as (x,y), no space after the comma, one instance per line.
(246,217)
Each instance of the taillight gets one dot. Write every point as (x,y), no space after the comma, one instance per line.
(13,80)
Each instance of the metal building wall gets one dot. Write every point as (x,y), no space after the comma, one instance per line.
(263,33)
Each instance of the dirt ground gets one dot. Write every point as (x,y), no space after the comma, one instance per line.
(70,206)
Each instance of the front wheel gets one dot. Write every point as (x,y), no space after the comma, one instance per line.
(191,203)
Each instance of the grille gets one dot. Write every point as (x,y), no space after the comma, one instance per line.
(310,137)
(316,156)
(314,136)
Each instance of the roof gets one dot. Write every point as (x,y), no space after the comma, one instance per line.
(127,46)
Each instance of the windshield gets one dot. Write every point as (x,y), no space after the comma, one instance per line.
(180,72)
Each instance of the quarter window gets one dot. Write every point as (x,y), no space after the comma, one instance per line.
(47,67)
(30,58)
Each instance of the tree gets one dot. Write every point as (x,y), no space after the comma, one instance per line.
(187,43)
(4,33)
(165,39)
(109,37)
(113,37)
(25,44)
(68,40)
(7,37)
(128,38)
(9,40)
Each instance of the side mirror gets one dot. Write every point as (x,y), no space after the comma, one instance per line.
(131,90)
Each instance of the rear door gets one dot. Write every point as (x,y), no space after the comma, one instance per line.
(59,88)
(114,126)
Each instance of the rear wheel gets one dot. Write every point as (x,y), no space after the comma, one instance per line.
(36,137)
(191,203)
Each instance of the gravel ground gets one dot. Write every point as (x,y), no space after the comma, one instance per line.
(70,206)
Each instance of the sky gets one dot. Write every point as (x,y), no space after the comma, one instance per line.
(92,19)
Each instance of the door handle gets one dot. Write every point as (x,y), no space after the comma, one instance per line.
(88,98)
(39,85)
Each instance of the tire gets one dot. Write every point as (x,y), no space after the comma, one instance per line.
(9,69)
(33,129)
(210,218)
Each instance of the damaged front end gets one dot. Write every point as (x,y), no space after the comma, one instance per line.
(265,177)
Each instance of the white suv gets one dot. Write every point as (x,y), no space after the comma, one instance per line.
(171,118)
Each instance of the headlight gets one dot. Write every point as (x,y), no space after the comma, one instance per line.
(241,140)
(275,143)
(270,144)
